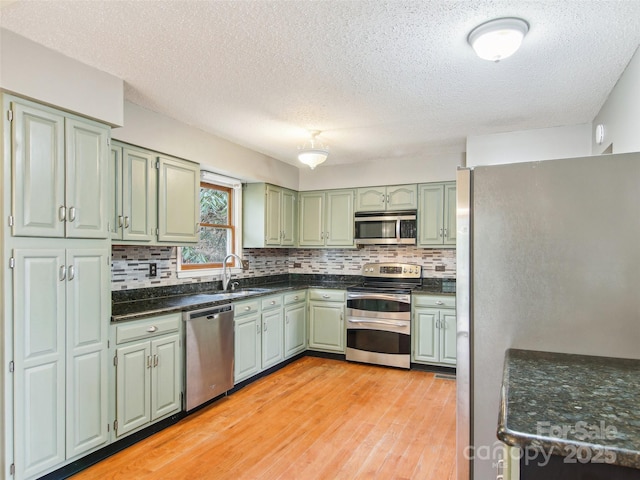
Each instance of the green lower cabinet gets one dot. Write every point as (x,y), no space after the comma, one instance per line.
(247,346)
(272,337)
(61,308)
(295,331)
(434,330)
(148,375)
(326,320)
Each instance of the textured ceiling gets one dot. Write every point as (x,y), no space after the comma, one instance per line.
(382,79)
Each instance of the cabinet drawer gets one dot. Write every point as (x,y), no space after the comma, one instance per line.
(295,297)
(241,309)
(149,327)
(327,295)
(272,302)
(435,301)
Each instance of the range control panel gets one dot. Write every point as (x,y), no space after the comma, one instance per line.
(392,270)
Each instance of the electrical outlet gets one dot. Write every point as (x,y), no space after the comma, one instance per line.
(439,268)
(153,270)
(245,264)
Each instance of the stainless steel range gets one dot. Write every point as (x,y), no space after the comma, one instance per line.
(379,314)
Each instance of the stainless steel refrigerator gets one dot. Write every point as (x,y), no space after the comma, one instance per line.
(548,259)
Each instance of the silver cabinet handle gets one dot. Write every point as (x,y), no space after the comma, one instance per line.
(152,329)
(327,235)
(437,323)
(286,319)
(341,316)
(246,309)
(296,297)
(387,198)
(155,360)
(325,296)
(149,362)
(63,273)
(258,329)
(264,329)
(439,302)
(72,272)
(441,229)
(120,221)
(62,213)
(126,221)
(445,232)
(72,214)
(273,302)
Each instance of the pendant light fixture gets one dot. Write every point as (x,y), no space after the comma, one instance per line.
(313,152)
(498,39)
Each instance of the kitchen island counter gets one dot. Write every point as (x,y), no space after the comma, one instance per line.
(583,408)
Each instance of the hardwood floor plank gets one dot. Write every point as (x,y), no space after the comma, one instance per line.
(314,419)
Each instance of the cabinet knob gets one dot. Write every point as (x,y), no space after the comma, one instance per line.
(439,302)
(152,329)
(246,309)
(325,296)
(273,302)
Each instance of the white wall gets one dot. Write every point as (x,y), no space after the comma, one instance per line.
(529,145)
(620,114)
(429,168)
(34,71)
(158,132)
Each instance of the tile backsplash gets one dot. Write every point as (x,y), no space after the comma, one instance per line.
(130,264)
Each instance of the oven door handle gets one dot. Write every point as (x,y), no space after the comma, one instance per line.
(379,296)
(381,322)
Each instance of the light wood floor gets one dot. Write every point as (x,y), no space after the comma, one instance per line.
(313,419)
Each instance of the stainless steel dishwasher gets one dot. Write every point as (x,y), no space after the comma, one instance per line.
(208,354)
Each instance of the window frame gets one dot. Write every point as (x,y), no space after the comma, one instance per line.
(234,189)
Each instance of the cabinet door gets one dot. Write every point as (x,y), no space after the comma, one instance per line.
(115,192)
(38,164)
(326,326)
(166,379)
(272,337)
(133,386)
(88,308)
(371,199)
(339,218)
(425,335)
(39,355)
(450,214)
(178,201)
(448,336)
(295,332)
(247,346)
(273,205)
(139,190)
(402,197)
(430,221)
(311,219)
(87,179)
(289,218)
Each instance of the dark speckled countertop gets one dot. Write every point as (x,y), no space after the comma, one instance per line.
(575,406)
(139,303)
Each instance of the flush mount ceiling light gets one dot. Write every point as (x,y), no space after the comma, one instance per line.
(313,152)
(498,39)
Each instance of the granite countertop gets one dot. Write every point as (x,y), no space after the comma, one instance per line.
(576,406)
(131,309)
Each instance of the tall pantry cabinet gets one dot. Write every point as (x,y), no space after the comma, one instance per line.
(55,288)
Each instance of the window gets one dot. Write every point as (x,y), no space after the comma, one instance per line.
(219,236)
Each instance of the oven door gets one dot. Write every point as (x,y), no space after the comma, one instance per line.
(379,329)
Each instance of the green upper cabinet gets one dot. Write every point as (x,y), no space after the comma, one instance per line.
(326,219)
(133,194)
(389,198)
(269,216)
(437,215)
(60,182)
(178,201)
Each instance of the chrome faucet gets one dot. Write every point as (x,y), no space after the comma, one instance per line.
(226,277)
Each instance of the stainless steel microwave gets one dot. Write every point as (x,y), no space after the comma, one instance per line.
(386,228)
